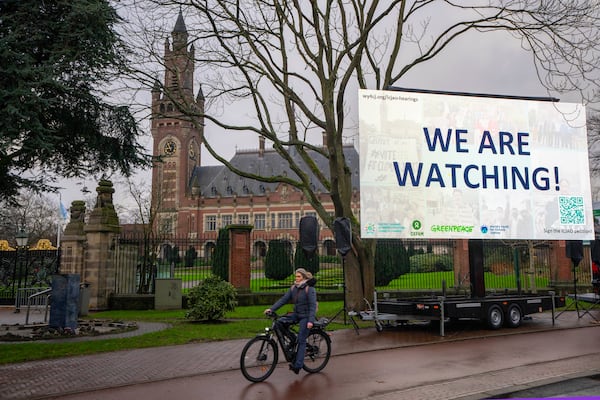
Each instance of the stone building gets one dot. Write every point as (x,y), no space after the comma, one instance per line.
(193,200)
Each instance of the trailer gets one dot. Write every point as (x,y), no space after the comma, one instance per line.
(496,310)
(471,167)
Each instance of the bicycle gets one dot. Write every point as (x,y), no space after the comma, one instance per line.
(261,354)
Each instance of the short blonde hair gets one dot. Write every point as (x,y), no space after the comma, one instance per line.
(305,274)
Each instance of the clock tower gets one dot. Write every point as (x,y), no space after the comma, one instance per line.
(177,138)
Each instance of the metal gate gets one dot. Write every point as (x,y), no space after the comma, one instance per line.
(26,269)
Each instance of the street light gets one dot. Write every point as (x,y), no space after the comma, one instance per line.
(22,238)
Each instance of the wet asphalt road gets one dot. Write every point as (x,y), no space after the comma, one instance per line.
(469,369)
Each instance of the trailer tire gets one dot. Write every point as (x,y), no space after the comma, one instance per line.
(514,316)
(495,317)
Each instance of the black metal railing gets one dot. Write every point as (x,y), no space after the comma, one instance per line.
(24,268)
(426,265)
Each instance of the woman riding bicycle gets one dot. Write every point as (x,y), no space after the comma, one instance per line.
(304,296)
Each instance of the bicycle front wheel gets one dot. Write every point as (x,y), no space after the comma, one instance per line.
(259,358)
(318,351)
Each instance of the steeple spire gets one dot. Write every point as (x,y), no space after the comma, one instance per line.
(180,24)
(180,35)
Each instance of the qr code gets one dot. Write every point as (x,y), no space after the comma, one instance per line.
(571,210)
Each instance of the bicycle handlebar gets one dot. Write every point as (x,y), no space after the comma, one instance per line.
(320,323)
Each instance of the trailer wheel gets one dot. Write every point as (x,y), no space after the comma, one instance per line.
(495,317)
(513,316)
(378,326)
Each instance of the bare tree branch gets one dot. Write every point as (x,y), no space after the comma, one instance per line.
(295,67)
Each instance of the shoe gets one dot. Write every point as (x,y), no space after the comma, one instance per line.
(296,370)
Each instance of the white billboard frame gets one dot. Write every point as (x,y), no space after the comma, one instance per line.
(466,166)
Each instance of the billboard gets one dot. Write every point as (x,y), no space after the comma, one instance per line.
(462,166)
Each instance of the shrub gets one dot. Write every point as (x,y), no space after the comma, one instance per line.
(431,263)
(278,263)
(494,254)
(190,256)
(391,261)
(211,299)
(310,264)
(171,254)
(221,255)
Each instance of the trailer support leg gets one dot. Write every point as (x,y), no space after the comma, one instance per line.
(553,306)
(442,316)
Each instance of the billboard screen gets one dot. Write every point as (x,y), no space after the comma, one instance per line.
(460,166)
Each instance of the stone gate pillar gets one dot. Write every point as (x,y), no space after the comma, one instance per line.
(239,257)
(101,229)
(72,247)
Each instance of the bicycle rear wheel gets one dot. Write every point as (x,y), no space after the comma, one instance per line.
(259,358)
(318,351)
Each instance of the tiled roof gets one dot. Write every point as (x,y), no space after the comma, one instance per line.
(220,181)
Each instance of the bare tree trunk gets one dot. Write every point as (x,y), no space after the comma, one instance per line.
(531,250)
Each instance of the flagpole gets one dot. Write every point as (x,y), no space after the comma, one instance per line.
(58,226)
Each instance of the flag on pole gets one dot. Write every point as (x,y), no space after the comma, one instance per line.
(63,212)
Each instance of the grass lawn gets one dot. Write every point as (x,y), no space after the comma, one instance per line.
(330,277)
(244,322)
(433,280)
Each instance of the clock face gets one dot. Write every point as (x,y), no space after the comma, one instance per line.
(170,147)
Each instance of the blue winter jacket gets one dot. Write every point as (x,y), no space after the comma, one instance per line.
(304,298)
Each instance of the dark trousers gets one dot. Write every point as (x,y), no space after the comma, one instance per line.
(302,335)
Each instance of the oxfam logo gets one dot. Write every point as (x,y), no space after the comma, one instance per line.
(416,225)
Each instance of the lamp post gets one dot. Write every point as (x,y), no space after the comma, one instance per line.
(21,238)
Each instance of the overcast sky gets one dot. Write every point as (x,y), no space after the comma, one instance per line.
(481,63)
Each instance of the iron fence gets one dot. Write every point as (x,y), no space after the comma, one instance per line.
(141,260)
(509,265)
(26,268)
(429,264)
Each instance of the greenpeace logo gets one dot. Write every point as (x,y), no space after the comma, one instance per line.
(452,228)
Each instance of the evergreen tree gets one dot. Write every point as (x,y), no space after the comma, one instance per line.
(311,264)
(391,261)
(190,256)
(221,255)
(278,264)
(56,56)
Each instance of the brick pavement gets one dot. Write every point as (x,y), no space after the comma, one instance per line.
(49,378)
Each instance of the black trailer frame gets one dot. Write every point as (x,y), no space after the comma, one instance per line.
(496,310)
